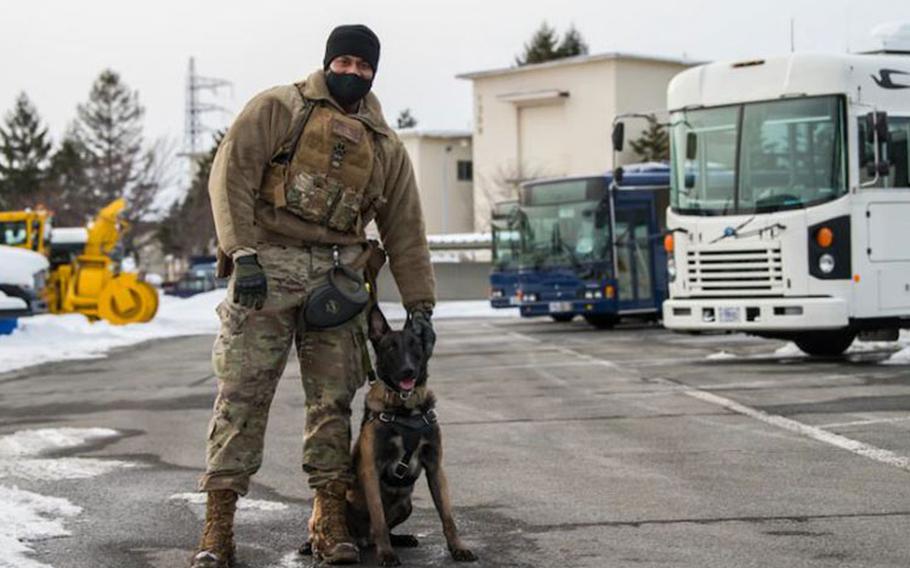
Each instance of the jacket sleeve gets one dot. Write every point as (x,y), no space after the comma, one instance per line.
(239,165)
(403,232)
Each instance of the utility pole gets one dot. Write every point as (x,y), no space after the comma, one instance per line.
(194,128)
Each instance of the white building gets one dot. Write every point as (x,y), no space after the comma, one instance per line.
(444,170)
(554,118)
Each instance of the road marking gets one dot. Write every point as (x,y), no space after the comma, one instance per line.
(869,451)
(865,422)
(859,448)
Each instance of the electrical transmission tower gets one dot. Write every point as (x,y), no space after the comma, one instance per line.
(194,127)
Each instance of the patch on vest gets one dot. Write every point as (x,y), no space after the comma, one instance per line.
(348,131)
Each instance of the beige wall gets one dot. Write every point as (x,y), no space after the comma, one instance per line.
(448,204)
(523,129)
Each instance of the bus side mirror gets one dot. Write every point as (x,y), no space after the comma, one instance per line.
(618,136)
(691,145)
(877,126)
(881,127)
(618,174)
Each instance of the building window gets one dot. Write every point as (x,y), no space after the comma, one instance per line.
(465,170)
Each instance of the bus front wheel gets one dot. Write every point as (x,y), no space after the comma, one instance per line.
(602,321)
(825,343)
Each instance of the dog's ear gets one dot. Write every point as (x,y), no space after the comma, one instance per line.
(378,326)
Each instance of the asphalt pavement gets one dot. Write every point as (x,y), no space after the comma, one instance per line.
(564,446)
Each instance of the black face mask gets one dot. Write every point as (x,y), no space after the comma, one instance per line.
(347,88)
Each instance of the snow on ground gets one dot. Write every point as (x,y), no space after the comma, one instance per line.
(454,309)
(46,338)
(242,504)
(29,517)
(721,356)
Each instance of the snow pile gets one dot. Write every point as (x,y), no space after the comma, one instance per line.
(721,356)
(789,350)
(454,309)
(30,517)
(45,338)
(21,454)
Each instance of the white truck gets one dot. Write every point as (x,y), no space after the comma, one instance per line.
(790,202)
(23,275)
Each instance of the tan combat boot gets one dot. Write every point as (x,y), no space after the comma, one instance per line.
(331,541)
(216,549)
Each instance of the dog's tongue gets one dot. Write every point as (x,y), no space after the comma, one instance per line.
(407,384)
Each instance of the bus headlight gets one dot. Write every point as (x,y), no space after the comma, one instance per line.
(671,269)
(530,297)
(826,263)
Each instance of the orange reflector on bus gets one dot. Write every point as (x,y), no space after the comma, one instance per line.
(609,291)
(856,278)
(668,243)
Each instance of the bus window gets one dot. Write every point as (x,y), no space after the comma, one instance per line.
(896,153)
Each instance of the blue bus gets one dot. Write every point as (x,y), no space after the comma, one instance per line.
(505,251)
(592,246)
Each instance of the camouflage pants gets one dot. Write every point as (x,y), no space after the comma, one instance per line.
(249,357)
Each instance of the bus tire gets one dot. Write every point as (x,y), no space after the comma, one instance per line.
(562,318)
(602,321)
(825,343)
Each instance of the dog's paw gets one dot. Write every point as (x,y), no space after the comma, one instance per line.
(463,555)
(306,549)
(388,559)
(404,541)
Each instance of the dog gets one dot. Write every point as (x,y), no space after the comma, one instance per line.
(399,439)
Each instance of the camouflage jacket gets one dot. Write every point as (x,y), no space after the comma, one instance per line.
(248,210)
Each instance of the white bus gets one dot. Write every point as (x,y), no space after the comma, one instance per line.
(790,203)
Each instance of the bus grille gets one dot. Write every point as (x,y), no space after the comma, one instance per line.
(736,272)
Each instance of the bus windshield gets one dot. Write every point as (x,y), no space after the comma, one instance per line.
(758,157)
(560,223)
(13,233)
(506,244)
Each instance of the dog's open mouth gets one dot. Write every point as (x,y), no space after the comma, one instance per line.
(407,384)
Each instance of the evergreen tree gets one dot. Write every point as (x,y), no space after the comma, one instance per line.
(67,185)
(109,130)
(541,48)
(572,44)
(24,151)
(654,143)
(406,119)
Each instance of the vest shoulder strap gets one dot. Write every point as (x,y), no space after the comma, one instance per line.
(289,148)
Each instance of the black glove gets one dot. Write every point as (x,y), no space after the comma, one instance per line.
(250,285)
(423,328)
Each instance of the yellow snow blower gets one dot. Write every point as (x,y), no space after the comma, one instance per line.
(84,278)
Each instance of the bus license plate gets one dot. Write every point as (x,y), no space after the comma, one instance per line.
(559,307)
(729,315)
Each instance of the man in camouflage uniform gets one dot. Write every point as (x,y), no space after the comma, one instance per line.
(298,176)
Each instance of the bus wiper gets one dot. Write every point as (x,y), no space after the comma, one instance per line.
(576,264)
(733,231)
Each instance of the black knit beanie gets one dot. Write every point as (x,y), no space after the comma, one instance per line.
(356,40)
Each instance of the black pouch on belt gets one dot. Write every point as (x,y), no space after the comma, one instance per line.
(338,301)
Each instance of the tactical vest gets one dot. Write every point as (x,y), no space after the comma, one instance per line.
(322,174)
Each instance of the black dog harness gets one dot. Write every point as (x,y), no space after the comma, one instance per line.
(412,428)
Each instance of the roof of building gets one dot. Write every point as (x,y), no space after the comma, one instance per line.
(578,60)
(432,133)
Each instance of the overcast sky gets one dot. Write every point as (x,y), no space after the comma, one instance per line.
(54,49)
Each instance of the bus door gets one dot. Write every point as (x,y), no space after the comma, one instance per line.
(634,257)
